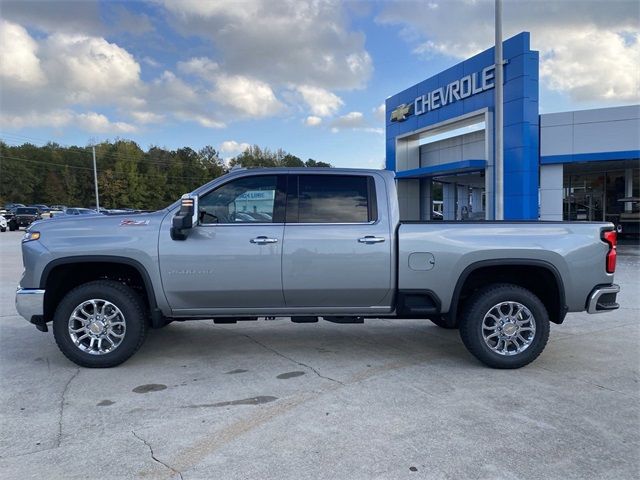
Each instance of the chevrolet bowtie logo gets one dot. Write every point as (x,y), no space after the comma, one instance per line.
(401,112)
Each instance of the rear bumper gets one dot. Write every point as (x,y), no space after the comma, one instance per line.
(30,303)
(603,299)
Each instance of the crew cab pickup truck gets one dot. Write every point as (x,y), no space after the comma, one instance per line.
(305,244)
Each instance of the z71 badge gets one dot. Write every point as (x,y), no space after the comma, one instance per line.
(133,223)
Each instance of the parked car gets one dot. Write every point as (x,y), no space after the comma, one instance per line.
(43,208)
(23,217)
(80,211)
(3,224)
(335,248)
(11,206)
(61,208)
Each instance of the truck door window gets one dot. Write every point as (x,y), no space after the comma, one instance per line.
(245,200)
(335,199)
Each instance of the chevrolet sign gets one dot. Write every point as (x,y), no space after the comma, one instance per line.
(457,90)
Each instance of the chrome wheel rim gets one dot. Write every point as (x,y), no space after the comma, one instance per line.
(508,328)
(97,327)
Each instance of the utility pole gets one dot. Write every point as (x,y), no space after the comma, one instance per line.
(95,178)
(499,119)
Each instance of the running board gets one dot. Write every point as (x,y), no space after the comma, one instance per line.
(344,319)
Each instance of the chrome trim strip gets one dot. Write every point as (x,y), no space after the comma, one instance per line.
(592,303)
(29,302)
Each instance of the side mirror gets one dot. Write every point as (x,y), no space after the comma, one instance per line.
(186,217)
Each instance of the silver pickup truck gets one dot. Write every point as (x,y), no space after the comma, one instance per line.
(309,243)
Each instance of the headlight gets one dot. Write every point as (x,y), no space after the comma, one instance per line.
(28,236)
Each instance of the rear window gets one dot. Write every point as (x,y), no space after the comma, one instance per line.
(26,211)
(335,199)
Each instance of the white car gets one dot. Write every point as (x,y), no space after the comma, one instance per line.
(3,224)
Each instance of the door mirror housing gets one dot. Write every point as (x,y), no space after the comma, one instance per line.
(186,218)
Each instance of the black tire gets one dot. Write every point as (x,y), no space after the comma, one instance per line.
(124,298)
(481,303)
(3,229)
(442,323)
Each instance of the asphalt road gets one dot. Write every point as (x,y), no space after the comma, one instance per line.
(272,399)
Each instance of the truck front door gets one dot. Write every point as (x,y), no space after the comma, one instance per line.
(232,258)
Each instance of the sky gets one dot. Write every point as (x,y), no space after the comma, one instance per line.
(310,77)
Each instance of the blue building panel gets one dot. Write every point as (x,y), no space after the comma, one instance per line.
(444,169)
(521,117)
(590,157)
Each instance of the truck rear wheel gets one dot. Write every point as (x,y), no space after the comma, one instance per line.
(100,324)
(505,326)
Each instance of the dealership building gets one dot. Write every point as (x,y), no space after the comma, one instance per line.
(575,166)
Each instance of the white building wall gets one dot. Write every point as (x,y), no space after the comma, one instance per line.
(551,177)
(590,131)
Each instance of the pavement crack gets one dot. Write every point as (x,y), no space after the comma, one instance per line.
(156,459)
(63,400)
(273,350)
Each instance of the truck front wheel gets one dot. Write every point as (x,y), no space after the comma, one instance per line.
(100,324)
(505,326)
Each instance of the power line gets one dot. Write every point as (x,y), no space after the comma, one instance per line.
(8,157)
(43,163)
(77,150)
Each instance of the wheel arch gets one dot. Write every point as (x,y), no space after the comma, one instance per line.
(542,278)
(56,281)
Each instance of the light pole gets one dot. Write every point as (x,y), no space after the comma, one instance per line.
(95,178)
(499,119)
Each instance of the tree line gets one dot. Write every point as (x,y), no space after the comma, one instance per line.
(127,175)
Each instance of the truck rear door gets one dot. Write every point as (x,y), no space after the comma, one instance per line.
(337,242)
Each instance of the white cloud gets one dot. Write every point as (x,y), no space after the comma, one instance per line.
(55,118)
(151,62)
(69,16)
(170,95)
(304,42)
(379,112)
(90,69)
(321,102)
(204,120)
(147,117)
(60,118)
(98,123)
(129,22)
(350,120)
(19,62)
(230,148)
(202,67)
(354,121)
(613,75)
(588,50)
(247,96)
(312,121)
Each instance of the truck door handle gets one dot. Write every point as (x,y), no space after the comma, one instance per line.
(263,240)
(371,239)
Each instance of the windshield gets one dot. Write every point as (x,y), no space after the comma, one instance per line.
(26,211)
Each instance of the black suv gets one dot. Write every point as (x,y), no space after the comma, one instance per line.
(23,217)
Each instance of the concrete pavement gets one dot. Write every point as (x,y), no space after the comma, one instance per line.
(272,399)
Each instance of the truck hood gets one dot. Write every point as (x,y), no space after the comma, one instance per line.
(106,231)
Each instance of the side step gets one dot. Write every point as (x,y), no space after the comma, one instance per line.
(227,320)
(344,319)
(304,319)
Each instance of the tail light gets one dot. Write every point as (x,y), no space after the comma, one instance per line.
(611,237)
